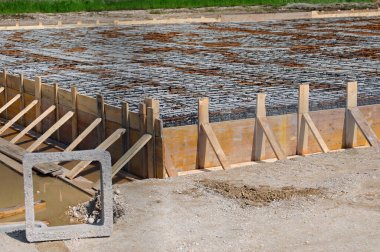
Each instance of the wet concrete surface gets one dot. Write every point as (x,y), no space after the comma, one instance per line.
(228,62)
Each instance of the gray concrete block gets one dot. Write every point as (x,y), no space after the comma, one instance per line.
(18,226)
(102,229)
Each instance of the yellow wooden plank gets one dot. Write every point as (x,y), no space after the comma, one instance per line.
(169,166)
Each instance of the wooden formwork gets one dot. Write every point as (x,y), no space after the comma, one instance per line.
(280,136)
(139,143)
(76,121)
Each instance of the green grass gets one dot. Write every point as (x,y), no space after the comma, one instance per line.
(53,6)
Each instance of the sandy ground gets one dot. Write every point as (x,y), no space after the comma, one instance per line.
(109,16)
(183,214)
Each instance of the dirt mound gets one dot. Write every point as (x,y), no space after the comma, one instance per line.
(259,196)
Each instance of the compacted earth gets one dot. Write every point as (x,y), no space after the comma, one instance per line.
(326,202)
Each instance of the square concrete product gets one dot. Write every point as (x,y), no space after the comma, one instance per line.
(102,229)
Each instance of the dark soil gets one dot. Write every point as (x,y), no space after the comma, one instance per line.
(259,196)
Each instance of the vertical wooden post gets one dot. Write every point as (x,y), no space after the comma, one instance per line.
(203,117)
(38,96)
(5,91)
(101,113)
(150,144)
(74,120)
(22,98)
(350,125)
(125,123)
(56,103)
(159,149)
(143,155)
(152,114)
(259,137)
(302,130)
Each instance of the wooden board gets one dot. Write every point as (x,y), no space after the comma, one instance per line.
(103,146)
(20,209)
(315,132)
(216,146)
(17,117)
(368,133)
(271,138)
(32,124)
(50,131)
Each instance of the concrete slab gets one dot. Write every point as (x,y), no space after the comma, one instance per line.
(102,229)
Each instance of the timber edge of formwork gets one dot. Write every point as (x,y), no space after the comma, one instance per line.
(215,19)
(141,146)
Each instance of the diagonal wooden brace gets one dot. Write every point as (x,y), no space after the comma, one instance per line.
(206,127)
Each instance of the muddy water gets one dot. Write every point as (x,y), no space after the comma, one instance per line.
(57,194)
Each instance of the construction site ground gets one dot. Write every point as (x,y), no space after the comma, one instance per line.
(326,202)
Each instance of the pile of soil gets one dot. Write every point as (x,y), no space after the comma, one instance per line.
(259,196)
(90,211)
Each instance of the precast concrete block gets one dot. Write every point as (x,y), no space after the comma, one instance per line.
(35,233)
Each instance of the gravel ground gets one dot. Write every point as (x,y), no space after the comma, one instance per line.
(184,214)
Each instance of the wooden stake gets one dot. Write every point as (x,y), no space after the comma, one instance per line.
(350,125)
(258,149)
(32,124)
(203,117)
(143,156)
(101,114)
(152,115)
(262,129)
(50,131)
(56,103)
(126,125)
(159,149)
(302,130)
(305,120)
(22,99)
(38,96)
(150,145)
(74,121)
(6,91)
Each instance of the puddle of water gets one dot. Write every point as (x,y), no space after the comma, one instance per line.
(57,194)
